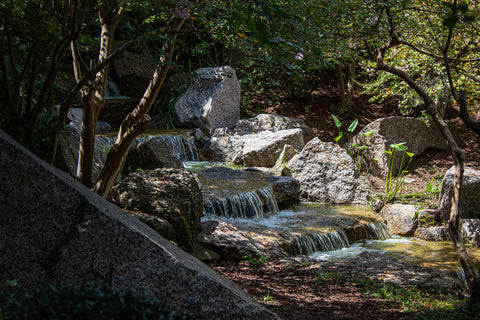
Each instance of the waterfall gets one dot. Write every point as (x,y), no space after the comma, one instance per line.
(182,147)
(317,241)
(379,230)
(251,204)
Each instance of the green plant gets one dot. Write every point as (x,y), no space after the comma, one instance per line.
(434,188)
(268,297)
(164,105)
(89,302)
(324,275)
(392,186)
(338,124)
(255,258)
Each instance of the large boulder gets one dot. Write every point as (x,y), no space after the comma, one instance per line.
(212,100)
(386,131)
(274,123)
(328,174)
(432,234)
(471,231)
(56,231)
(68,146)
(134,71)
(232,244)
(400,218)
(168,198)
(228,144)
(264,148)
(151,154)
(470,198)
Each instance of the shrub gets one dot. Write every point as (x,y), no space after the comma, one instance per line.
(89,302)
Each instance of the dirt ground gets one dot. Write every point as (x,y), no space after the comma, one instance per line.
(317,290)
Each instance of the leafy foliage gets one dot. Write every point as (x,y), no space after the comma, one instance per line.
(92,302)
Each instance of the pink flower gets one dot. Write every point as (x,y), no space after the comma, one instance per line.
(299,56)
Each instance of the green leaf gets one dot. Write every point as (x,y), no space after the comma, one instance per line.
(353,125)
(368,133)
(430,184)
(337,138)
(337,122)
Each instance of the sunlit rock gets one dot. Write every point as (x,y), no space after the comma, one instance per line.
(417,136)
(328,174)
(470,198)
(212,100)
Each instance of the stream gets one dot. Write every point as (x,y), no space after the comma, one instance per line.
(323,232)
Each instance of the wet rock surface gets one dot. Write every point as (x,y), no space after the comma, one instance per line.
(150,154)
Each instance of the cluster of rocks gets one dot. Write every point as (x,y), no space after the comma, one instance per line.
(430,224)
(324,172)
(298,166)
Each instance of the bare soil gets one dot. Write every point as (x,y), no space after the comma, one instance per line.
(317,290)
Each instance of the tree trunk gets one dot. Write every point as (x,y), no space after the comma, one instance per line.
(471,273)
(350,88)
(93,101)
(341,87)
(137,120)
(472,124)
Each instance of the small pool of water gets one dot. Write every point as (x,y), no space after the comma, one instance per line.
(440,254)
(197,166)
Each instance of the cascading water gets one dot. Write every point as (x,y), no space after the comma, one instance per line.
(313,242)
(251,204)
(182,147)
(379,230)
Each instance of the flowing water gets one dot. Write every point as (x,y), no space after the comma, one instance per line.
(324,232)
(177,141)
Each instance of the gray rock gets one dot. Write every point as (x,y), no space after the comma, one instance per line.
(56,231)
(170,195)
(328,174)
(285,189)
(263,149)
(134,71)
(470,198)
(400,218)
(212,100)
(471,231)
(222,182)
(232,244)
(75,117)
(432,234)
(67,157)
(228,144)
(274,123)
(150,154)
(417,136)
(281,167)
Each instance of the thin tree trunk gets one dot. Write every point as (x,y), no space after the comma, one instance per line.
(350,87)
(471,272)
(341,87)
(137,120)
(93,102)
